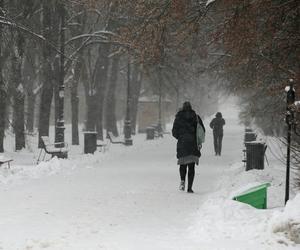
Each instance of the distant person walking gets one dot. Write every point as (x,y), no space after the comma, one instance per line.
(188,153)
(217,125)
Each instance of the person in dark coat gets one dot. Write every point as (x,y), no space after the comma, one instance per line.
(188,153)
(217,125)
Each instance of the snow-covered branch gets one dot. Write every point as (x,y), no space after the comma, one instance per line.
(17,26)
(85,36)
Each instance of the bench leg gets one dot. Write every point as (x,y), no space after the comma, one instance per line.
(38,160)
(44,155)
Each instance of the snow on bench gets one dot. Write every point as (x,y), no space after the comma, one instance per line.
(4,160)
(49,148)
(102,145)
(114,140)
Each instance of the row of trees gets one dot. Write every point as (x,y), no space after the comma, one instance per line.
(247,47)
(49,44)
(261,39)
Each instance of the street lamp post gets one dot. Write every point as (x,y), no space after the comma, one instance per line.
(127,123)
(60,126)
(291,107)
(159,125)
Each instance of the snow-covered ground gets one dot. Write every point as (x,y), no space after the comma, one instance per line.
(127,198)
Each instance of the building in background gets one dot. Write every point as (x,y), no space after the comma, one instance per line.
(148,112)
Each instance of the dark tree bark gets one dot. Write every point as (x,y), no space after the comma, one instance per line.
(19,96)
(47,89)
(110,113)
(78,69)
(2,111)
(30,111)
(136,89)
(100,80)
(91,101)
(75,100)
(90,97)
(29,78)
(2,90)
(101,70)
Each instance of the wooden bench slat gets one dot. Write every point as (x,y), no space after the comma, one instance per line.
(114,140)
(4,160)
(50,148)
(56,150)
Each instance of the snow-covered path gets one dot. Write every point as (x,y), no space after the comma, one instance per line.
(128,199)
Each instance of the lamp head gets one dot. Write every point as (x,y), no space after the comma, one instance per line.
(290,95)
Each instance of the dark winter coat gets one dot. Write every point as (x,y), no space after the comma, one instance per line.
(217,125)
(184,130)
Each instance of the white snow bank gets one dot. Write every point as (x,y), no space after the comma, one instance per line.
(220,219)
(235,223)
(19,173)
(236,179)
(24,172)
(287,222)
(231,222)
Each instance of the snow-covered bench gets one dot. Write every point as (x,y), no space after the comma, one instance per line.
(114,140)
(49,148)
(102,145)
(4,160)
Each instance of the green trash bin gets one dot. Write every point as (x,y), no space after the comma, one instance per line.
(256,196)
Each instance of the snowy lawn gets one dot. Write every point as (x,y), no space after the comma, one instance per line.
(128,198)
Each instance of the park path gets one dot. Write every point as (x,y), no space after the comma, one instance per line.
(129,199)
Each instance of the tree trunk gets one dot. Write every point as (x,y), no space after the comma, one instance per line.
(19,122)
(75,100)
(19,96)
(2,111)
(78,70)
(90,124)
(91,102)
(136,89)
(47,89)
(110,114)
(30,111)
(100,80)
(2,92)
(29,78)
(74,104)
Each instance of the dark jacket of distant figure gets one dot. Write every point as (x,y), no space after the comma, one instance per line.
(217,124)
(184,130)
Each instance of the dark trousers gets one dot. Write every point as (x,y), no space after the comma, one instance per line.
(191,174)
(218,137)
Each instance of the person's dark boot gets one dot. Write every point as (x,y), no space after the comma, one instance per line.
(182,185)
(190,182)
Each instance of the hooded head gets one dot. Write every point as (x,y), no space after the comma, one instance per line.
(219,115)
(186,106)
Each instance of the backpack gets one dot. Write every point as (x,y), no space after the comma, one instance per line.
(200,134)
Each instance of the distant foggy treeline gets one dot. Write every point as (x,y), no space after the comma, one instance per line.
(177,49)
